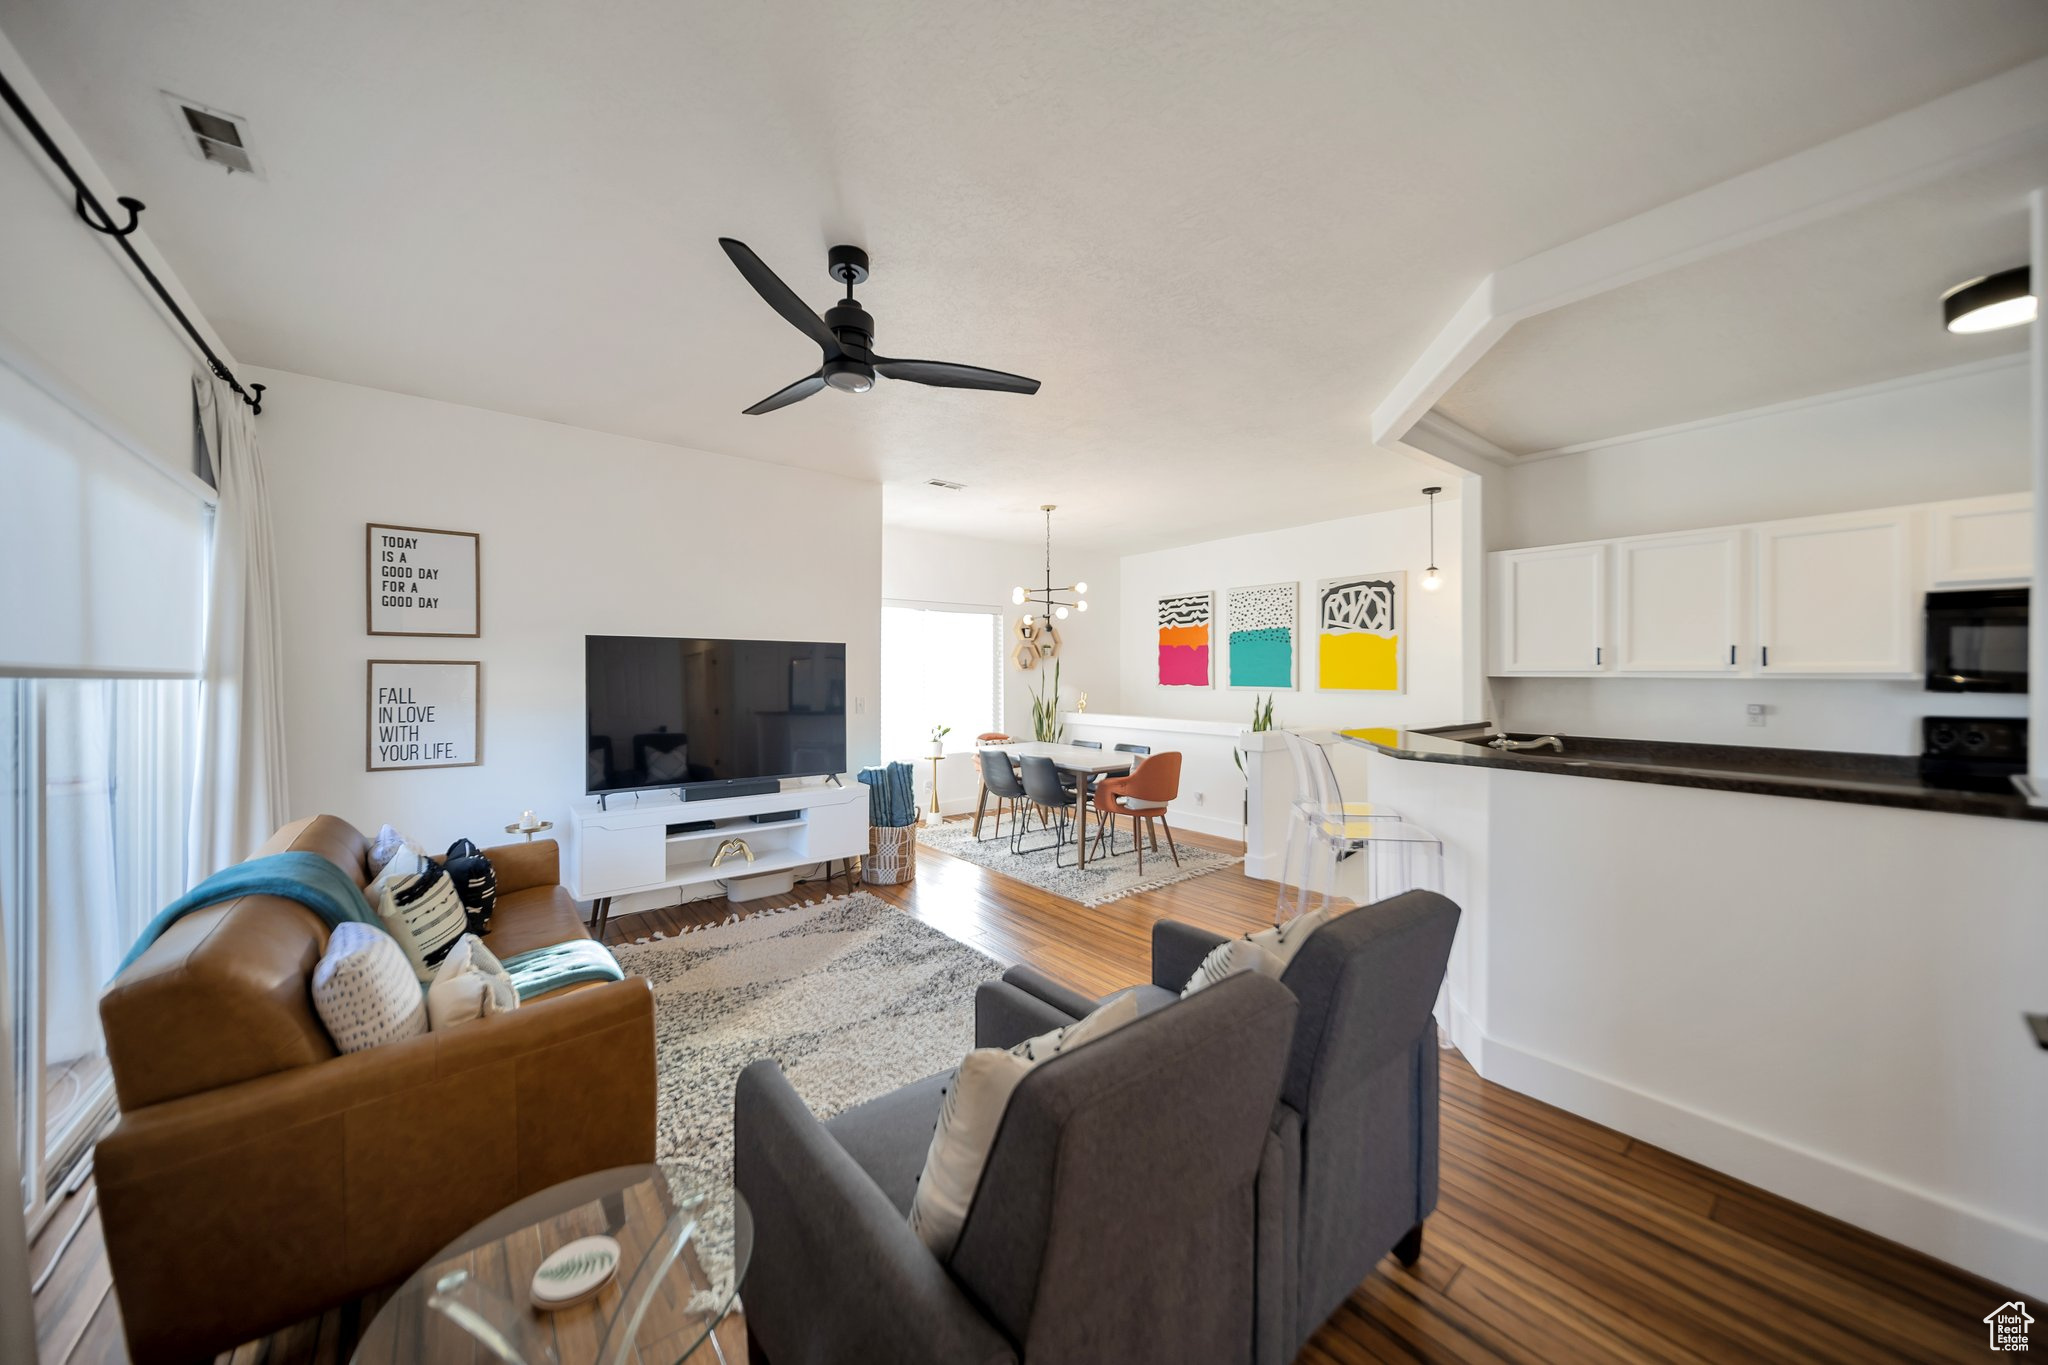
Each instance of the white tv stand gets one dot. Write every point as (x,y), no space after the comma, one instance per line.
(629,847)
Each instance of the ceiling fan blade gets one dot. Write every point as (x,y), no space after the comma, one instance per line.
(780,296)
(782,398)
(946,375)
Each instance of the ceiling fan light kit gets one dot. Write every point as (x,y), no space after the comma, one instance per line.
(845,336)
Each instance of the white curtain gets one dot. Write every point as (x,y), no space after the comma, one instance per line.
(239,794)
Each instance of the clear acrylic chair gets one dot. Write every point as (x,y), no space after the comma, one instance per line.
(1342,854)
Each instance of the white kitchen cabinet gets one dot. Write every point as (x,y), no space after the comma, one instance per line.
(1550,610)
(1982,542)
(1839,595)
(1680,603)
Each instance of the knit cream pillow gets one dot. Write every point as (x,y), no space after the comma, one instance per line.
(974,1107)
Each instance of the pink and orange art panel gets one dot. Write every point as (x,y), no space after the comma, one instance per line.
(1185,626)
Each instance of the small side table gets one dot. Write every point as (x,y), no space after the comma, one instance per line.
(681,1260)
(541,828)
(935,783)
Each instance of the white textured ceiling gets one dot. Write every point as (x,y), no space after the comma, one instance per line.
(1846,301)
(1217,232)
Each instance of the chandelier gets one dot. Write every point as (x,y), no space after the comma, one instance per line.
(1051,600)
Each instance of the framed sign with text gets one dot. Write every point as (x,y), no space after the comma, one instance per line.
(424,582)
(424,714)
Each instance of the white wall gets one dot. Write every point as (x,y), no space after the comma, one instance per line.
(925,566)
(73,315)
(1953,436)
(583,533)
(1305,554)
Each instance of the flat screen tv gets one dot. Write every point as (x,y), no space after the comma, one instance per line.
(707,714)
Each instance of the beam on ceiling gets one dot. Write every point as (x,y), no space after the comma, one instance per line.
(1967,127)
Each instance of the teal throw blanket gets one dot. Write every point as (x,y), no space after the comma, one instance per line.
(561,964)
(307,878)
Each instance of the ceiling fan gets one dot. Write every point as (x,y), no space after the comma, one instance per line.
(846,335)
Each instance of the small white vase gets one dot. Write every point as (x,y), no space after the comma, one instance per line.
(938,748)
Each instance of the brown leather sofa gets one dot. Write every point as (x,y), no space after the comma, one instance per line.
(257,1177)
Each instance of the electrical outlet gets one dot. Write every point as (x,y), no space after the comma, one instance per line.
(860,706)
(1757,713)
(1201,797)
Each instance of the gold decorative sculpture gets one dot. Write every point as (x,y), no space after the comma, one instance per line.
(730,847)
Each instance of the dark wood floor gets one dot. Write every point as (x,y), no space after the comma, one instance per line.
(1554,1239)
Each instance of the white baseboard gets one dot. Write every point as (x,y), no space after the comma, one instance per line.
(1264,867)
(1199,822)
(1978,1240)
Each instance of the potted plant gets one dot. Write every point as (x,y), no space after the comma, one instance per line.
(1045,712)
(939,733)
(1262,721)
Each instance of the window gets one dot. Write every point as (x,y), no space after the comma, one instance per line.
(941,665)
(100,641)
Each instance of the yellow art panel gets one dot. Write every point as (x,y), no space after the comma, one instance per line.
(1356,661)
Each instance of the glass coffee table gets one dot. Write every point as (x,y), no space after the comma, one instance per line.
(681,1259)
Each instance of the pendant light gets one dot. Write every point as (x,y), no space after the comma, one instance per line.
(1990,302)
(1431,578)
(1050,599)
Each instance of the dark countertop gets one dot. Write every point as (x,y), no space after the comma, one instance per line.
(1815,774)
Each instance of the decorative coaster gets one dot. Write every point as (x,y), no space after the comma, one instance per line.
(575,1273)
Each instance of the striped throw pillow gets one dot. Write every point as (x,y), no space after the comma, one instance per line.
(424,913)
(1268,952)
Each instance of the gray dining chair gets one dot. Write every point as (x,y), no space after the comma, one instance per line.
(1001,780)
(1053,799)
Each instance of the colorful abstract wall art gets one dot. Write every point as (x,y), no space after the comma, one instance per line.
(1260,625)
(1184,628)
(1359,621)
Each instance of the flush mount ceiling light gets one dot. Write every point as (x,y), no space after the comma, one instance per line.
(1988,303)
(1049,599)
(1431,578)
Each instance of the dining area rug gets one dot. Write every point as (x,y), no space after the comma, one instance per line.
(1105,879)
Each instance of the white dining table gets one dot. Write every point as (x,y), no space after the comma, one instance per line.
(1076,759)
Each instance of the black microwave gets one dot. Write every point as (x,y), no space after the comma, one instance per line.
(1977,640)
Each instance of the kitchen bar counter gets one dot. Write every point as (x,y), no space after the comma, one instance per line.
(1817,775)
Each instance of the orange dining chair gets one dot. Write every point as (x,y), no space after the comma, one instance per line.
(1144,795)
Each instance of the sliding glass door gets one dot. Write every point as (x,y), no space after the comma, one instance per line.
(98,776)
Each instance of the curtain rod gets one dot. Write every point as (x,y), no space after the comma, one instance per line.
(99,220)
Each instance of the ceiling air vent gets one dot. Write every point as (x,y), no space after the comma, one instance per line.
(214,135)
(947,484)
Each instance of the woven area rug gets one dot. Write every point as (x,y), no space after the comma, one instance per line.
(852,996)
(1106,879)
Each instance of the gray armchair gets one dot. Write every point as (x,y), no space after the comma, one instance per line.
(1355,1173)
(1115,1220)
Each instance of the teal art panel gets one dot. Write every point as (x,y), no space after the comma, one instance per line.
(1261,628)
(1262,658)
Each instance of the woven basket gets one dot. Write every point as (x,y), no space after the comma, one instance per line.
(892,855)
